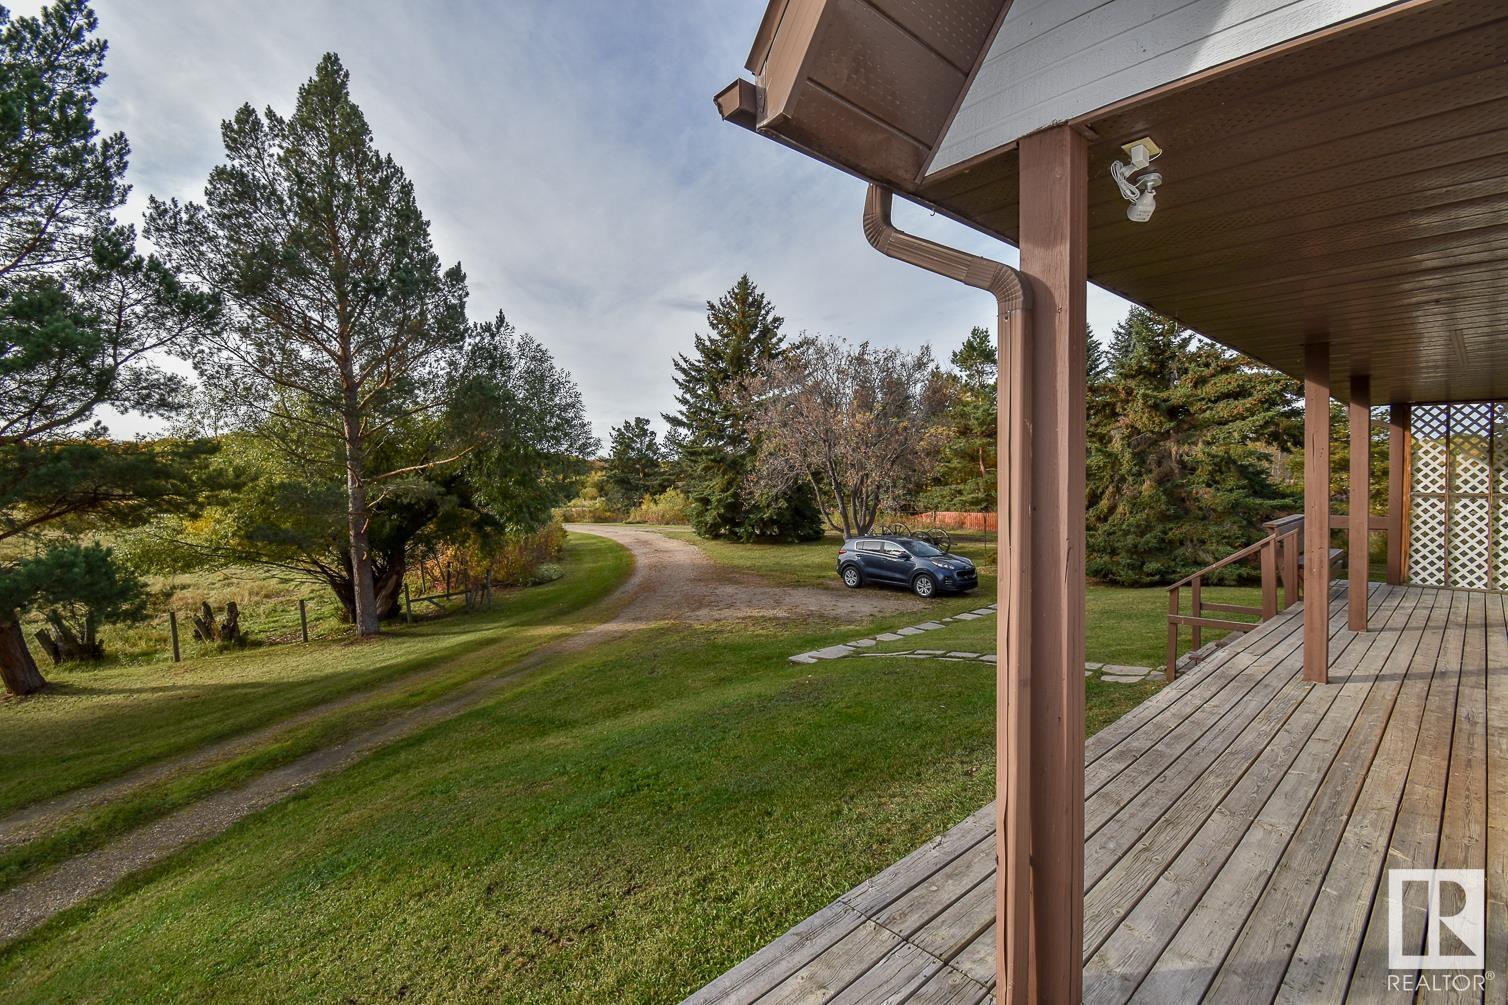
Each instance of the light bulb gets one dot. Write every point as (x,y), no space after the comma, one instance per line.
(1142,209)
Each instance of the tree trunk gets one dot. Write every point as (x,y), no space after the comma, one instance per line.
(387,587)
(363,594)
(17,669)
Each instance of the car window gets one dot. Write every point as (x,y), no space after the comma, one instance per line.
(923,550)
(868,546)
(894,549)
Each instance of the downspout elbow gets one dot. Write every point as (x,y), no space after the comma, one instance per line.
(1010,290)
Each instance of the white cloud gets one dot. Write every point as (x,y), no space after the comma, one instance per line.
(568,154)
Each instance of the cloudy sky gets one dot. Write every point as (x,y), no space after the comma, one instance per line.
(568,155)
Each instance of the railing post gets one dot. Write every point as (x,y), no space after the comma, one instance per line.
(1173,610)
(303,618)
(1291,584)
(1196,608)
(1269,560)
(173,631)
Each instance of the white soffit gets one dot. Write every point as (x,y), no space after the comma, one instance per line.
(1055,60)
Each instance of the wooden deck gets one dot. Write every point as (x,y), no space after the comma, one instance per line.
(1238,826)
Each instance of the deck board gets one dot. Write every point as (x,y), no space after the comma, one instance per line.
(1238,830)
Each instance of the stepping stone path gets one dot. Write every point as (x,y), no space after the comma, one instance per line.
(1113,673)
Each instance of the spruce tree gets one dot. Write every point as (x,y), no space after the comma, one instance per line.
(717,453)
(965,478)
(635,465)
(1181,437)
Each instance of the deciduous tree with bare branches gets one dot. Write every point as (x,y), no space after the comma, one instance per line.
(859,424)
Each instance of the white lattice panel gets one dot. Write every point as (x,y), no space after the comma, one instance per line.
(1459,524)
(1500,496)
(1427,541)
(1431,426)
(1471,449)
(1499,543)
(1470,542)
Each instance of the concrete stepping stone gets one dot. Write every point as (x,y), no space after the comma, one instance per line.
(983,611)
(929,626)
(1117,679)
(905,631)
(832,652)
(888,637)
(964,656)
(1123,671)
(862,643)
(968,616)
(1094,666)
(804,658)
(929,652)
(989,658)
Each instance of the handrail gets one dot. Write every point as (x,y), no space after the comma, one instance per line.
(1279,553)
(1246,552)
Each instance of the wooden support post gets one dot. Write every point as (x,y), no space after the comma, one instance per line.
(173,632)
(1398,432)
(1043,597)
(1358,538)
(303,618)
(1317,512)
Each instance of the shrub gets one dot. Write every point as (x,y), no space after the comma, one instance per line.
(669,507)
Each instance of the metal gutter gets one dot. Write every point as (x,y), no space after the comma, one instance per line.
(1013,732)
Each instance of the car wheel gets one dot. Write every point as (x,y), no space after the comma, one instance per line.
(851,577)
(924,585)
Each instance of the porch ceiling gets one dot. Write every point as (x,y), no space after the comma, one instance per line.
(1353,187)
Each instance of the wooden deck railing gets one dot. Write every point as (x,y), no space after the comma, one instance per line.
(1280,555)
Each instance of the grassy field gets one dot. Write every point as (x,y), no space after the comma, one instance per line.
(98,722)
(620,829)
(1126,625)
(623,825)
(808,564)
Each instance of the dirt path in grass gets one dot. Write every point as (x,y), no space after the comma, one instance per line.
(672,581)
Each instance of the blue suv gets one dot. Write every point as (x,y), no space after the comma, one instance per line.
(904,561)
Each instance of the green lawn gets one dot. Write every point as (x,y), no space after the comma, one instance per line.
(621,826)
(96,723)
(809,564)
(1126,625)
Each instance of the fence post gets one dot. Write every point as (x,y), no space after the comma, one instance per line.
(173,631)
(303,618)
(408,608)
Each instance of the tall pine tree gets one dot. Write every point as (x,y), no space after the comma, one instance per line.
(717,453)
(341,323)
(1181,436)
(81,315)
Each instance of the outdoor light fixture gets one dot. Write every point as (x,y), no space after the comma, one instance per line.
(1142,192)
